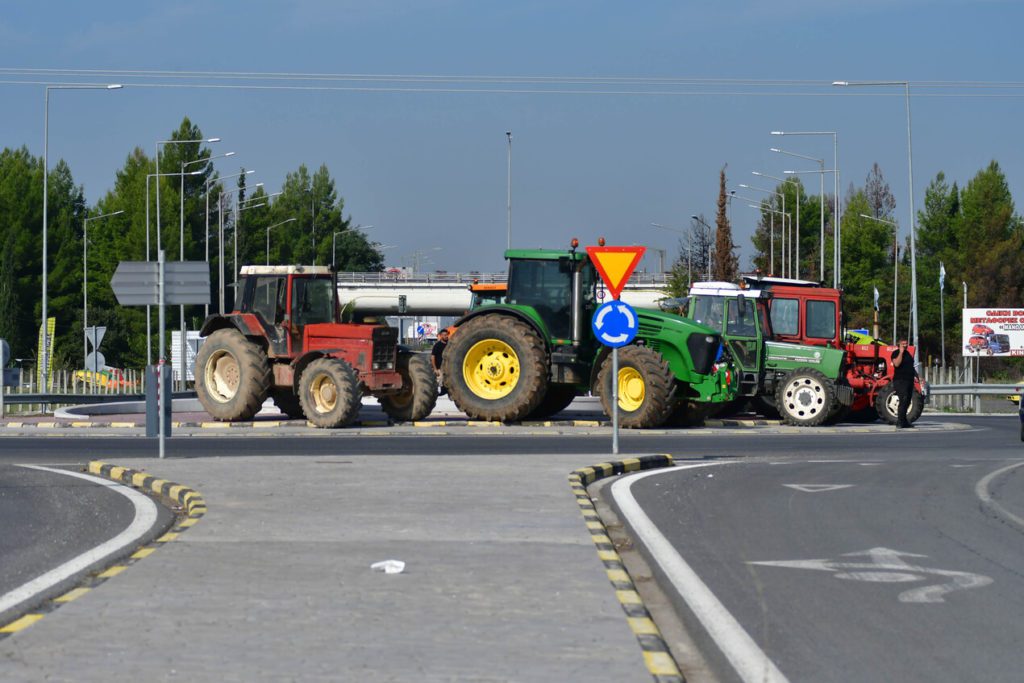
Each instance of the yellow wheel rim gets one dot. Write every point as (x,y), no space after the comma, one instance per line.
(324,393)
(223,376)
(631,389)
(491,369)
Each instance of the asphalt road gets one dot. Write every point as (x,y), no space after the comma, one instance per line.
(862,559)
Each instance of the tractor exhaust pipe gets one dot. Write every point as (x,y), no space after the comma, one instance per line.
(577,304)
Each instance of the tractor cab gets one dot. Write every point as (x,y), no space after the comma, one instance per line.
(741,315)
(543,281)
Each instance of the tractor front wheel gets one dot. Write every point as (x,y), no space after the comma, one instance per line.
(418,396)
(233,376)
(329,392)
(887,405)
(646,387)
(495,368)
(805,397)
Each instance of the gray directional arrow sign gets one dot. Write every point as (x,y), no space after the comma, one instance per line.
(135,283)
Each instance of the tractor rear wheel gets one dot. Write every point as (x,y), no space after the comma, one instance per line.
(495,368)
(233,376)
(805,397)
(418,396)
(646,387)
(288,403)
(557,399)
(329,392)
(887,404)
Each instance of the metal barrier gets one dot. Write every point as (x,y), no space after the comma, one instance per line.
(976,389)
(82,399)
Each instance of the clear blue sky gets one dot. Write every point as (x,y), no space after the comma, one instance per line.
(428,169)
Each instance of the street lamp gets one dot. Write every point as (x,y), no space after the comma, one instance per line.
(268,235)
(895,265)
(763,207)
(334,243)
(169,142)
(85,291)
(837,255)
(710,235)
(508,134)
(913,225)
(220,237)
(689,252)
(44,358)
(783,255)
(796,183)
(206,237)
(821,164)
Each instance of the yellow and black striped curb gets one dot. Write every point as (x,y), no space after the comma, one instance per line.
(192,508)
(657,657)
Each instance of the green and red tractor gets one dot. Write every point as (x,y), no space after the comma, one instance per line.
(530,355)
(285,340)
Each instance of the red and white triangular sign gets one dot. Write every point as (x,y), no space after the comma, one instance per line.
(615,265)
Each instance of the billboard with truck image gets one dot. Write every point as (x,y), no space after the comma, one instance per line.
(993,332)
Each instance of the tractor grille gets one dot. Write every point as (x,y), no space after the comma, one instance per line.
(649,328)
(385,344)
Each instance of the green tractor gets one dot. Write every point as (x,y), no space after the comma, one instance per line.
(804,385)
(531,355)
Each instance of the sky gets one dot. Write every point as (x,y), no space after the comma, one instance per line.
(622,114)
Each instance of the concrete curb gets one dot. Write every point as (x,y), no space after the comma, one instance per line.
(660,663)
(192,507)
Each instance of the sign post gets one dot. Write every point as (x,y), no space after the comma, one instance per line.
(615,323)
(145,283)
(5,353)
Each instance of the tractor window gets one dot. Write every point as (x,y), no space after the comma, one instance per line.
(742,324)
(709,311)
(821,319)
(268,299)
(312,301)
(785,316)
(546,286)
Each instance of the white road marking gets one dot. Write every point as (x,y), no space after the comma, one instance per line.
(749,661)
(818,488)
(888,566)
(981,490)
(869,464)
(145,517)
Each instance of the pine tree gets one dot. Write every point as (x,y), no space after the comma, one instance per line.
(726,263)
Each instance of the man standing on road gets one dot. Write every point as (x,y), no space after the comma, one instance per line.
(903,382)
(436,354)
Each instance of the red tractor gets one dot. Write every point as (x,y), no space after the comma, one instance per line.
(804,312)
(285,340)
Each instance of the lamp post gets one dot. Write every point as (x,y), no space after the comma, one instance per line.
(895,266)
(241,206)
(783,249)
(269,227)
(334,243)
(508,134)
(710,241)
(85,289)
(158,174)
(689,253)
(837,255)
(220,239)
(772,211)
(796,184)
(206,241)
(44,356)
(821,164)
(913,225)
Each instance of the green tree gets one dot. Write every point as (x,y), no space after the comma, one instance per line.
(726,264)
(866,261)
(937,242)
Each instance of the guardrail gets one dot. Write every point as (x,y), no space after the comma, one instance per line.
(976,389)
(82,399)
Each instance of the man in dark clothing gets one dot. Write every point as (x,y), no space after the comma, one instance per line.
(903,382)
(436,354)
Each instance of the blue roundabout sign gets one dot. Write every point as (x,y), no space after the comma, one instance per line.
(615,323)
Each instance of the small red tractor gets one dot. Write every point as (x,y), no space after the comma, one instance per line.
(804,312)
(285,340)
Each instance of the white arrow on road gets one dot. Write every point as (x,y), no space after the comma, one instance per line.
(818,488)
(888,566)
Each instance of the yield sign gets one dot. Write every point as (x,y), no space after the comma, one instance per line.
(615,265)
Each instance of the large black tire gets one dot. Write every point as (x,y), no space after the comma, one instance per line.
(887,403)
(805,397)
(288,403)
(692,414)
(647,387)
(765,406)
(557,399)
(329,392)
(233,376)
(418,396)
(495,368)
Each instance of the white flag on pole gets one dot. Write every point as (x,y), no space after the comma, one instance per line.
(942,275)
(876,298)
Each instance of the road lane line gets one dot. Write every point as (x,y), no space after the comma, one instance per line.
(145,517)
(749,661)
(981,489)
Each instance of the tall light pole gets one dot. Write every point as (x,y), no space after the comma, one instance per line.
(763,207)
(821,165)
(895,266)
(913,219)
(158,174)
(689,252)
(821,239)
(783,250)
(837,254)
(85,288)
(241,206)
(206,241)
(44,356)
(508,134)
(334,243)
(269,227)
(796,184)
(220,240)
(711,234)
